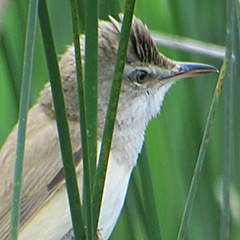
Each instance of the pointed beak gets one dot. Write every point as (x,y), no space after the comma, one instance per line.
(187,69)
(191,69)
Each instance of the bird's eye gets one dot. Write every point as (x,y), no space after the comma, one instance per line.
(141,76)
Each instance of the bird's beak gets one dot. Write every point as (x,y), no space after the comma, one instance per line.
(187,69)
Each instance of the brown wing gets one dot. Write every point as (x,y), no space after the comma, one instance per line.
(42,165)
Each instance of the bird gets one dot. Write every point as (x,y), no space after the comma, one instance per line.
(147,77)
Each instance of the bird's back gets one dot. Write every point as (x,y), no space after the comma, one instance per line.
(42,162)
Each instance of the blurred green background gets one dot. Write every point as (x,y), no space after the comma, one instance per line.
(173,138)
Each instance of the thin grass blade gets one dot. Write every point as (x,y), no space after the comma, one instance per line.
(112,109)
(62,123)
(91,106)
(81,15)
(230,119)
(201,156)
(82,113)
(24,106)
(91,100)
(91,82)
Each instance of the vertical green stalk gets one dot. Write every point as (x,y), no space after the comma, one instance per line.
(230,89)
(91,106)
(81,14)
(91,82)
(112,109)
(24,106)
(62,122)
(81,100)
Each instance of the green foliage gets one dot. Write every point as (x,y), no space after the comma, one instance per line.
(25,96)
(173,138)
(112,107)
(62,122)
(231,125)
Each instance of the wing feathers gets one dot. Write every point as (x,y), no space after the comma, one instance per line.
(60,175)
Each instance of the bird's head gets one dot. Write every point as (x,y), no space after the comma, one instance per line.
(148,74)
(146,68)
